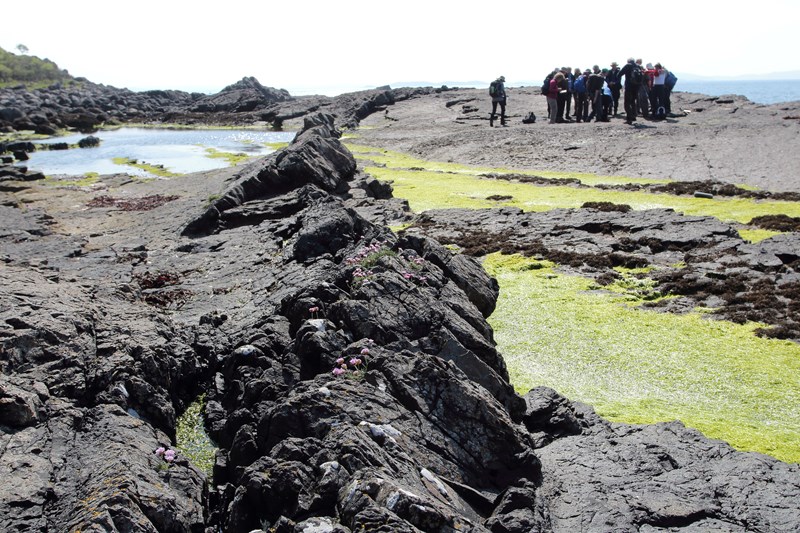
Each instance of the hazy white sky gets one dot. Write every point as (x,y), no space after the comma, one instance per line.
(341,45)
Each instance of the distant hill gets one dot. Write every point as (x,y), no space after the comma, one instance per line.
(29,70)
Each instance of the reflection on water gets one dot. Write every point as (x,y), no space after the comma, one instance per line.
(178,151)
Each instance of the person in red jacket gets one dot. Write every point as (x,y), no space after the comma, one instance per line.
(552,96)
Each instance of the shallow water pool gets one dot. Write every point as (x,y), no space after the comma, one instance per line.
(178,151)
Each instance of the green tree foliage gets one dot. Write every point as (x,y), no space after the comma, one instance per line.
(26,69)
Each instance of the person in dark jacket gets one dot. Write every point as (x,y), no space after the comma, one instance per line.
(499,97)
(614,81)
(631,91)
(594,86)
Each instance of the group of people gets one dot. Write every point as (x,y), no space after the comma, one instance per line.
(645,91)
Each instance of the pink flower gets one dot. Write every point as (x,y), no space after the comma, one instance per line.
(160,451)
(364,351)
(355,361)
(340,361)
(313,309)
(338,371)
(169,456)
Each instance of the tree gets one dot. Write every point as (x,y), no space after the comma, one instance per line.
(22,49)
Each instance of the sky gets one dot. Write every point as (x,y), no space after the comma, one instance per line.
(334,46)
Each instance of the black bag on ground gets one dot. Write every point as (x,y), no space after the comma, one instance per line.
(530,118)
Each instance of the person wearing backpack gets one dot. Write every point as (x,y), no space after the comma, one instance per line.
(581,99)
(497,90)
(546,88)
(633,80)
(552,96)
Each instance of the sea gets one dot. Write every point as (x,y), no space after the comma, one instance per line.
(757,91)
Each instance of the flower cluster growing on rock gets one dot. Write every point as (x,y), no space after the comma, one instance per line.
(369,256)
(167,454)
(354,366)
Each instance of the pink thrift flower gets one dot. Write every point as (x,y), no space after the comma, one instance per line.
(340,361)
(313,309)
(338,371)
(355,361)
(160,451)
(364,351)
(169,456)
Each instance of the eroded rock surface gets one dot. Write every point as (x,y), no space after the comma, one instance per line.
(112,321)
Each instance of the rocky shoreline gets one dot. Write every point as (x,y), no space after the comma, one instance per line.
(117,314)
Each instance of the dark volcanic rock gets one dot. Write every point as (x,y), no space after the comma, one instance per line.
(243,96)
(352,382)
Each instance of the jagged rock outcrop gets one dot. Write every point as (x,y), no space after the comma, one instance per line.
(85,106)
(351,379)
(243,96)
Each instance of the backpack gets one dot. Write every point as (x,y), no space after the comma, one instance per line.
(493,88)
(670,80)
(637,76)
(530,118)
(546,86)
(580,84)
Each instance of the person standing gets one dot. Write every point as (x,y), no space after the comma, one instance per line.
(594,87)
(669,84)
(608,100)
(633,79)
(581,100)
(552,96)
(568,101)
(658,93)
(614,83)
(497,90)
(643,98)
(563,95)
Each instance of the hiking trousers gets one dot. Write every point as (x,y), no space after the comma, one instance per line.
(502,112)
(629,101)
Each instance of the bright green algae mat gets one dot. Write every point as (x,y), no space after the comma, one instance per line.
(431,185)
(641,366)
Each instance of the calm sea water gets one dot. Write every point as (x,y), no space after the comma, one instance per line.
(179,151)
(758,91)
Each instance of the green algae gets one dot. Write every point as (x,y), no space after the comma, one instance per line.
(192,439)
(277,145)
(155,170)
(232,159)
(426,189)
(88,179)
(435,185)
(399,161)
(639,366)
(757,235)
